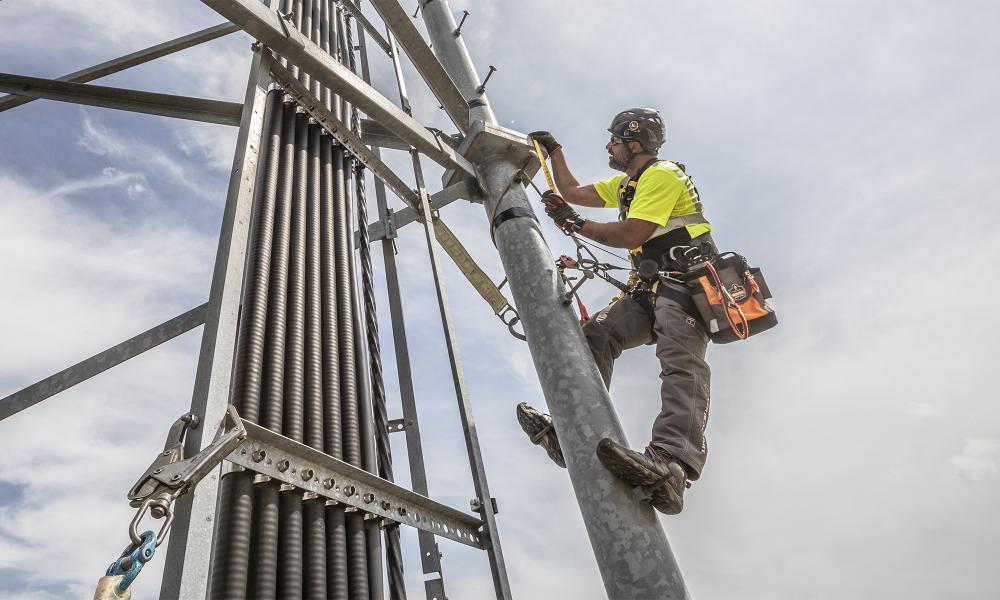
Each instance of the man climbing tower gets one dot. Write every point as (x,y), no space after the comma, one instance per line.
(660,214)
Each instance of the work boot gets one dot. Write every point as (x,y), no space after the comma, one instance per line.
(539,428)
(660,476)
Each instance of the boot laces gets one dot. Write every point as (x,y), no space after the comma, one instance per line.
(660,455)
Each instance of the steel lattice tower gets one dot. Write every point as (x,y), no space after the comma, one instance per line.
(303,504)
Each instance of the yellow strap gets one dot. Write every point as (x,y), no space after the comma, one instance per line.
(476,276)
(545,167)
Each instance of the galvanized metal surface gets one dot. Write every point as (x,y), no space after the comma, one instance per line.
(631,549)
(289,461)
(422,57)
(459,191)
(131,60)
(186,568)
(265,25)
(369,27)
(164,105)
(84,370)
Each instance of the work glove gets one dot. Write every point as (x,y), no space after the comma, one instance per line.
(562,213)
(546,140)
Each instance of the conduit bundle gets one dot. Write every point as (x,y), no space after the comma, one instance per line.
(301,359)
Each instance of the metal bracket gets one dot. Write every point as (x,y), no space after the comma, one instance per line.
(288,461)
(396,425)
(171,474)
(484,140)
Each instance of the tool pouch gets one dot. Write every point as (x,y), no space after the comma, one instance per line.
(731,297)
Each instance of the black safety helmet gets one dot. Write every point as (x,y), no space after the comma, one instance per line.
(643,125)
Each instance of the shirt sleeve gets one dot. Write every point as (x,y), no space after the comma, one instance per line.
(608,190)
(656,196)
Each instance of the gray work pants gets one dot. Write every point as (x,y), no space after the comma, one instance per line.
(680,345)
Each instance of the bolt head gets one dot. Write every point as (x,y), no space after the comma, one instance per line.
(369,498)
(329,483)
(283,465)
(158,470)
(258,455)
(306,474)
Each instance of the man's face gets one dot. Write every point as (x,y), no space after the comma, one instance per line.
(618,153)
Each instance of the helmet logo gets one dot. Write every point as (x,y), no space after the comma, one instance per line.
(633,125)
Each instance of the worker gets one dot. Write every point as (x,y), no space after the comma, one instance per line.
(659,213)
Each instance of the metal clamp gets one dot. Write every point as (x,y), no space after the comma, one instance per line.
(171,475)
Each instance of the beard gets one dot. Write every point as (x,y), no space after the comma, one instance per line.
(615,164)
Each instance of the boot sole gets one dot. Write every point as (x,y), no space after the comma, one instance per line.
(623,466)
(533,423)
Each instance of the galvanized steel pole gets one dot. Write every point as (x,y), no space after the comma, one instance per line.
(630,546)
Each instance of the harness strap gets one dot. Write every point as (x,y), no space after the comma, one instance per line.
(682,298)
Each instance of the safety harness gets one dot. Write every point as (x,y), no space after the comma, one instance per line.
(674,233)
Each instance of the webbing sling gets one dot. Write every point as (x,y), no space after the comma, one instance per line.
(477,277)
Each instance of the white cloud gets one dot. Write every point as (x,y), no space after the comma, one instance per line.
(978,459)
(858,173)
(922,410)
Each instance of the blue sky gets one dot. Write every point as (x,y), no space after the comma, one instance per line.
(848,148)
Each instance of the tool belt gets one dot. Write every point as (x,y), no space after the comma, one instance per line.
(723,292)
(731,297)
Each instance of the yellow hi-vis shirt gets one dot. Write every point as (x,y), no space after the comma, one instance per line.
(664,191)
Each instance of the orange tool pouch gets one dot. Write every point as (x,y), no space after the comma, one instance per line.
(731,297)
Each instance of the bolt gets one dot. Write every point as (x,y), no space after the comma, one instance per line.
(482,86)
(385,505)
(349,490)
(306,474)
(175,477)
(369,498)
(475,504)
(402,511)
(283,466)
(258,455)
(369,516)
(350,509)
(158,470)
(458,30)
(328,483)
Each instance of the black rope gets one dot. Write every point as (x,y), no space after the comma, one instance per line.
(394,554)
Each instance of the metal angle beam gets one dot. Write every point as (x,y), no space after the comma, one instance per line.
(374,134)
(429,67)
(342,133)
(379,230)
(84,370)
(185,570)
(373,31)
(265,25)
(306,468)
(130,60)
(164,105)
